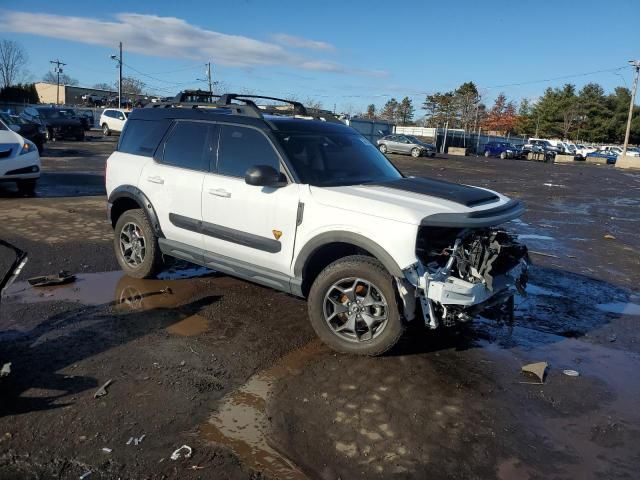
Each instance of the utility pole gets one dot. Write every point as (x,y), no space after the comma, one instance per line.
(635,64)
(209,77)
(59,66)
(119,60)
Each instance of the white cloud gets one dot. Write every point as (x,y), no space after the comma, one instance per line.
(299,42)
(168,37)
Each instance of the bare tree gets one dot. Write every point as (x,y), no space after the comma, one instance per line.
(65,79)
(13,59)
(131,86)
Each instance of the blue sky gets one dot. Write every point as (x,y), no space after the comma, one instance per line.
(350,53)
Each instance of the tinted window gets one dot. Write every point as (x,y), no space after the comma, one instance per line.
(336,159)
(190,145)
(141,137)
(241,148)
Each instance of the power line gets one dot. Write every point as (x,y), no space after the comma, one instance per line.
(557,78)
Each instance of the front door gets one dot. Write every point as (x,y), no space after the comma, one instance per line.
(256,225)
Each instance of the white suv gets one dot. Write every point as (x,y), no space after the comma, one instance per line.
(19,160)
(113,120)
(308,206)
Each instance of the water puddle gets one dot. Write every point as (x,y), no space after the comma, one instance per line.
(241,422)
(541,291)
(620,307)
(532,236)
(124,294)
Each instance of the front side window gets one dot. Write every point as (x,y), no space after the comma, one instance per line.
(334,159)
(190,145)
(241,148)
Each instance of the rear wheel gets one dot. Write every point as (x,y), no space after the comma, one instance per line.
(105,130)
(353,309)
(27,187)
(415,152)
(136,245)
(486,153)
(383,148)
(503,155)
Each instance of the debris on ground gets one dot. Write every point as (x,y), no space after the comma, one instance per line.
(613,337)
(85,475)
(107,450)
(61,278)
(608,236)
(6,369)
(571,373)
(102,391)
(538,369)
(136,440)
(178,452)
(166,290)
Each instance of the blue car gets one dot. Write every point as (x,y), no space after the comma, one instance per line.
(500,149)
(608,155)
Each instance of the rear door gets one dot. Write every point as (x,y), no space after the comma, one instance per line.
(173,180)
(255,225)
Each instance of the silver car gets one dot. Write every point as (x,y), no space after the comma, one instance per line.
(406,144)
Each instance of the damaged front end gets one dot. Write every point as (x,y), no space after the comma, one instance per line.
(463,272)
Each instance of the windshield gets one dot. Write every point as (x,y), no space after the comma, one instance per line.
(413,139)
(53,113)
(333,159)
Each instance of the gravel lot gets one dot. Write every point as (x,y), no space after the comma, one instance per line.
(233,369)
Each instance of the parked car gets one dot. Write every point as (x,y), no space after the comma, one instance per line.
(29,130)
(618,150)
(94,98)
(500,149)
(58,122)
(583,150)
(609,155)
(113,120)
(19,160)
(309,207)
(540,145)
(407,144)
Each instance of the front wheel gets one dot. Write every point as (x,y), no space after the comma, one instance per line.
(503,155)
(486,153)
(136,245)
(415,152)
(105,130)
(383,148)
(353,309)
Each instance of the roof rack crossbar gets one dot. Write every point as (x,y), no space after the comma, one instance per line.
(298,108)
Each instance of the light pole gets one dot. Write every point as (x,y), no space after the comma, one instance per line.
(59,66)
(635,64)
(119,60)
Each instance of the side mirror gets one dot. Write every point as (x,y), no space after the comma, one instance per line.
(263,176)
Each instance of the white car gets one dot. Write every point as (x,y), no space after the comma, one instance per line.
(583,150)
(19,160)
(618,150)
(309,206)
(113,120)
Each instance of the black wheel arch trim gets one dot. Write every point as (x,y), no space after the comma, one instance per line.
(134,193)
(345,237)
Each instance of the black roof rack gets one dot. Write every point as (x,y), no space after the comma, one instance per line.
(241,104)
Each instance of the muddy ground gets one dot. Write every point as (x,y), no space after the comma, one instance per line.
(233,370)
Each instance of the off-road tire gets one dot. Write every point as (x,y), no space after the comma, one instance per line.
(369,269)
(27,187)
(383,148)
(415,152)
(105,130)
(152,262)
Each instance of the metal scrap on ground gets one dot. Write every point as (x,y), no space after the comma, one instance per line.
(61,278)
(102,391)
(538,369)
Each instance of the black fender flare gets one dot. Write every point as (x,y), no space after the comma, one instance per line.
(137,195)
(345,237)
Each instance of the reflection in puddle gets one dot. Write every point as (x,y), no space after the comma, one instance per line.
(241,422)
(620,307)
(125,294)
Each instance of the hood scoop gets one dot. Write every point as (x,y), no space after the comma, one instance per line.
(454,192)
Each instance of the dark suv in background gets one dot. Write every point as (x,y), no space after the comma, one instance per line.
(58,122)
(29,130)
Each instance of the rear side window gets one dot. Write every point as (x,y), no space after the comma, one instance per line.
(241,148)
(141,137)
(190,145)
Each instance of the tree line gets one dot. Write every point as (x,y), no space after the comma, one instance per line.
(589,114)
